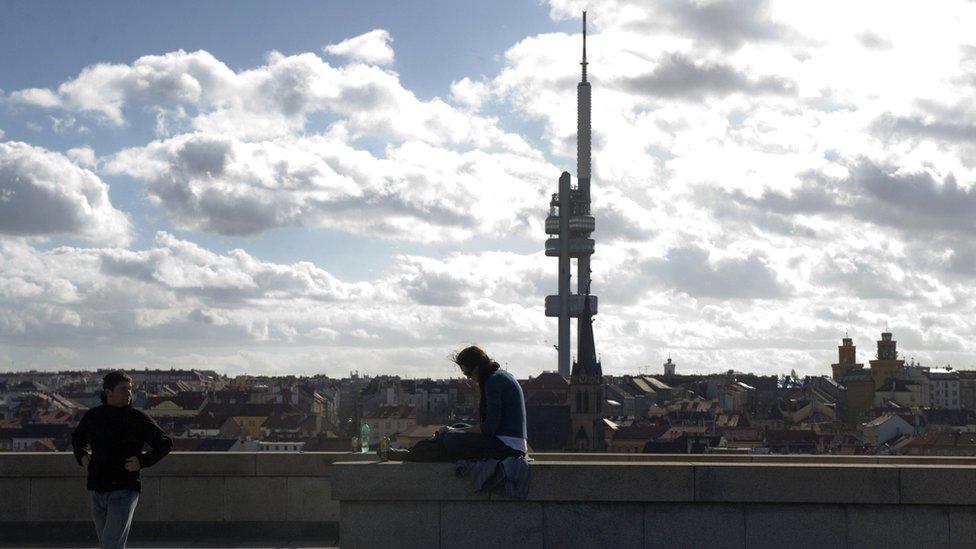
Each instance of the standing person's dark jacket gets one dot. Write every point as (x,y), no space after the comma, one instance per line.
(112,434)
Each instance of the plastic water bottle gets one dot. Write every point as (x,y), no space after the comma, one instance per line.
(364,438)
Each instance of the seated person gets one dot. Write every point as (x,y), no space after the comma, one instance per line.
(501,432)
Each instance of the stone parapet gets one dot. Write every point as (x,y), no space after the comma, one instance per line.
(667,501)
(272,496)
(575,500)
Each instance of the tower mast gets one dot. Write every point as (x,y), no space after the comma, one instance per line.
(571,225)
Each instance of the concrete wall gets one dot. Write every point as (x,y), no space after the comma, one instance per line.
(660,503)
(625,500)
(186,496)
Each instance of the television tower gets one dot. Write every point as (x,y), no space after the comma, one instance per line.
(570,221)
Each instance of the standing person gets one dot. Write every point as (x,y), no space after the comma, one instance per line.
(501,433)
(108,442)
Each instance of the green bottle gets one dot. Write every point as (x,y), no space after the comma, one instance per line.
(364,438)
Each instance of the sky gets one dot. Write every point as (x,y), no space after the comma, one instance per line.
(340,186)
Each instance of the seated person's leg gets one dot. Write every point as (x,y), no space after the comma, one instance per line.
(427,450)
(464,445)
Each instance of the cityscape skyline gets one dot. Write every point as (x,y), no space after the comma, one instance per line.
(370,195)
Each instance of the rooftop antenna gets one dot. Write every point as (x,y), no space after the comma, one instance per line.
(584,47)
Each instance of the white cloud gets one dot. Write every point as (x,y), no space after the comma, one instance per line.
(371,47)
(38,97)
(177,294)
(82,156)
(275,99)
(416,192)
(470,93)
(42,193)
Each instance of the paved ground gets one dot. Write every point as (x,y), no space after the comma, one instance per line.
(226,544)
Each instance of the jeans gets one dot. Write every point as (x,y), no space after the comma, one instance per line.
(455,445)
(112,512)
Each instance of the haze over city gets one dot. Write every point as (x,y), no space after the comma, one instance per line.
(321,188)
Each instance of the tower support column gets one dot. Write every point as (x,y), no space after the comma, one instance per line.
(564,273)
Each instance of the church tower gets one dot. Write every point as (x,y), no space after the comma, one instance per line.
(846,360)
(887,364)
(669,367)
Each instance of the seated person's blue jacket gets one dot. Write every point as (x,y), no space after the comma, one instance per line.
(504,406)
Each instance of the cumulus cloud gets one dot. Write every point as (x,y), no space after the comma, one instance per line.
(38,97)
(177,292)
(676,76)
(183,266)
(459,279)
(862,277)
(914,203)
(689,270)
(42,193)
(273,100)
(914,127)
(82,156)
(371,47)
(469,93)
(727,24)
(416,192)
(873,41)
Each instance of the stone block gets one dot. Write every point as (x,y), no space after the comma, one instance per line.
(255,498)
(191,499)
(962,527)
(796,483)
(385,524)
(605,524)
(148,508)
(691,525)
(476,524)
(310,499)
(204,464)
(35,464)
(298,465)
(13,502)
(813,459)
(952,461)
(549,457)
(48,534)
(400,481)
(634,482)
(938,485)
(795,525)
(871,526)
(59,499)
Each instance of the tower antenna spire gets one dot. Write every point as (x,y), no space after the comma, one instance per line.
(584,47)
